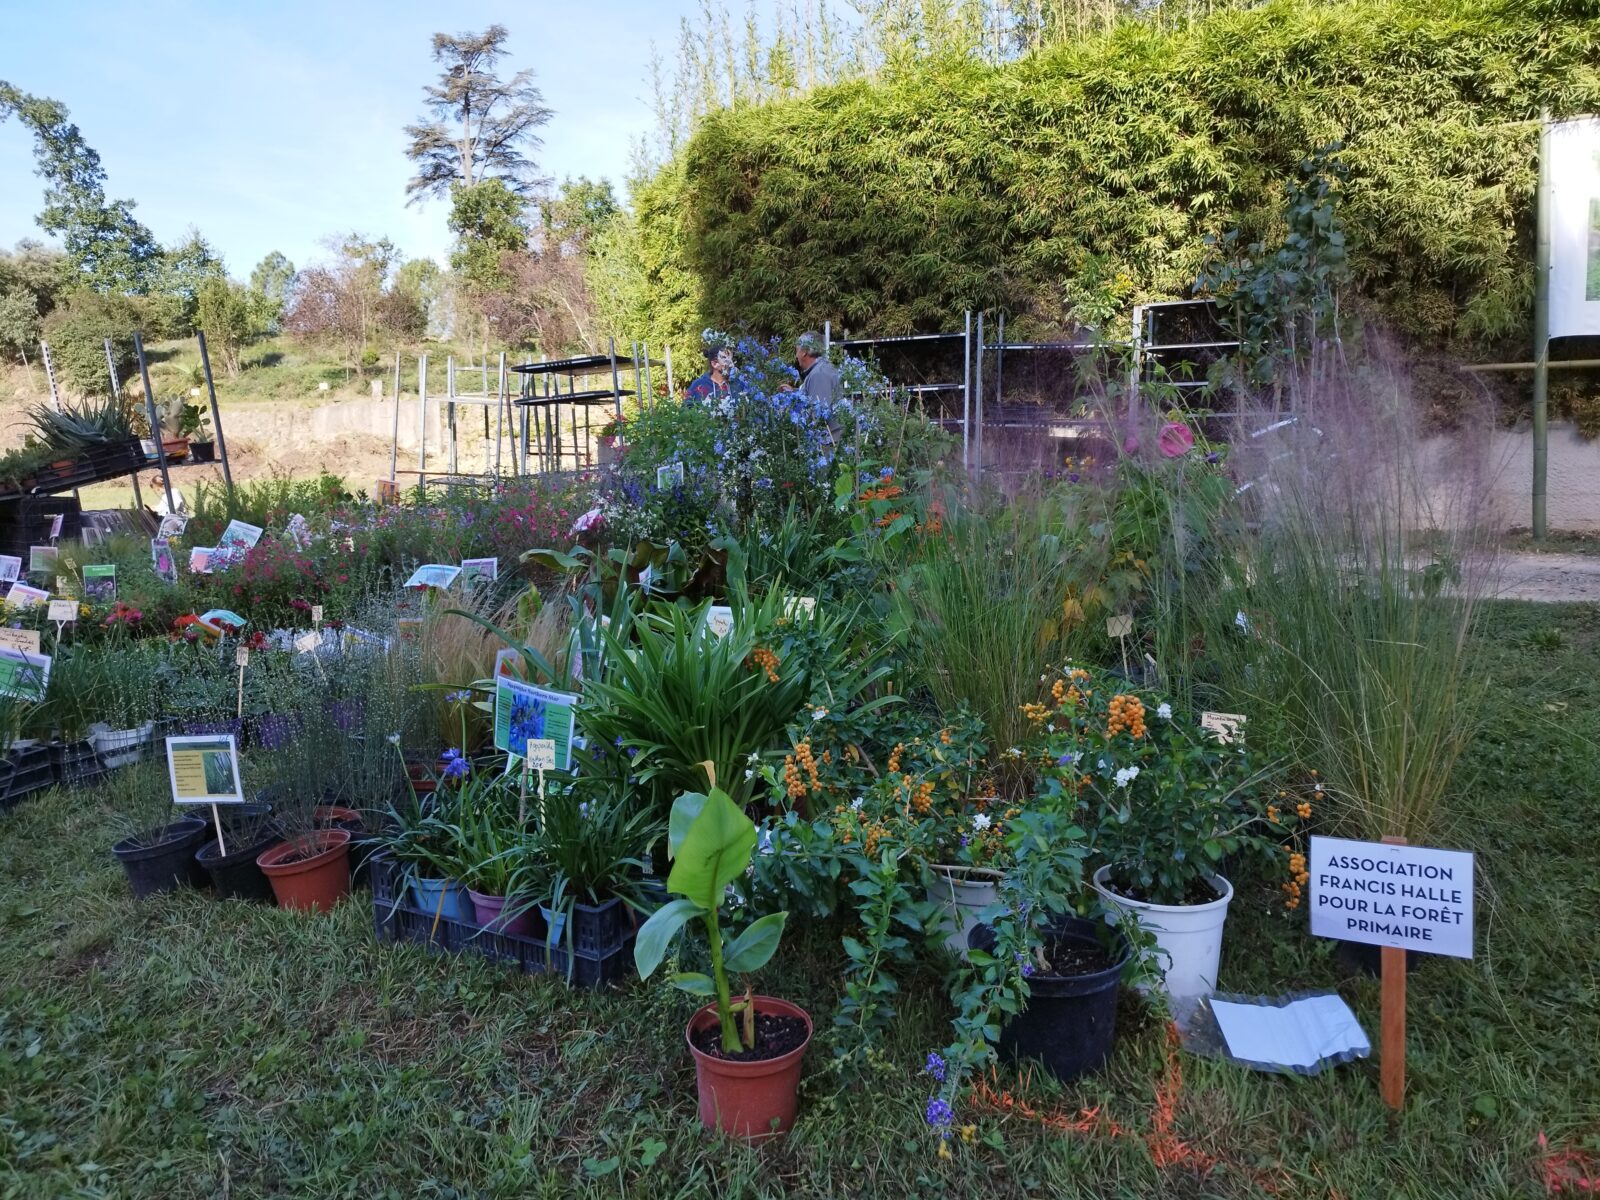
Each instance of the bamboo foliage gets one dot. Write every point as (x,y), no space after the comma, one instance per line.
(1081,177)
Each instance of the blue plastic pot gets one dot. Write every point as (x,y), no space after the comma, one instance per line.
(457,906)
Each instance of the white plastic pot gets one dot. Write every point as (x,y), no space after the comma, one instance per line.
(119,747)
(963,897)
(1188,936)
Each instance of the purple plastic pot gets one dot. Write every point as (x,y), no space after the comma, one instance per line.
(488,909)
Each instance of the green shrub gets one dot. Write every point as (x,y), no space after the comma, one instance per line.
(76,334)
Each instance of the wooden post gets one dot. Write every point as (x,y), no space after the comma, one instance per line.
(1392,1052)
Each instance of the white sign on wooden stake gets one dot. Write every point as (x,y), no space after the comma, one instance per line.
(1409,897)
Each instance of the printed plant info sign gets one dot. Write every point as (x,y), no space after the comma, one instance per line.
(1409,897)
(204,770)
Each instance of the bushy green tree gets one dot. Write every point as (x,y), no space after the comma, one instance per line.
(109,247)
(270,284)
(175,290)
(489,220)
(32,279)
(76,332)
(225,312)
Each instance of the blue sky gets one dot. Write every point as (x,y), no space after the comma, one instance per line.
(274,126)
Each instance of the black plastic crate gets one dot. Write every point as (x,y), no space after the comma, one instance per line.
(396,919)
(75,764)
(600,929)
(24,772)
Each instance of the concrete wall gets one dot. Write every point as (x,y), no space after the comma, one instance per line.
(1572,480)
(292,424)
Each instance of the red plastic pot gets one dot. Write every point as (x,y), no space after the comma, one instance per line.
(749,1100)
(311,872)
(336,816)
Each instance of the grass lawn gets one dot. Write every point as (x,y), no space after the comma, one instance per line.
(184,1047)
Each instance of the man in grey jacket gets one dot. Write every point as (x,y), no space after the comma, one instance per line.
(819,378)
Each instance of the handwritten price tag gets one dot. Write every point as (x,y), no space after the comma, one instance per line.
(241,656)
(1119,626)
(1227,728)
(541,754)
(63,610)
(316,614)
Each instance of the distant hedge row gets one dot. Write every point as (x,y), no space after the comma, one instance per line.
(1067,187)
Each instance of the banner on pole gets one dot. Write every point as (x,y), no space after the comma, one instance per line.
(1574,174)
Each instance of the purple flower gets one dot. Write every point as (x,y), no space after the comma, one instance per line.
(935,1065)
(456,765)
(939,1114)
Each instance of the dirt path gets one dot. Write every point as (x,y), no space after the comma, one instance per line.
(1551,578)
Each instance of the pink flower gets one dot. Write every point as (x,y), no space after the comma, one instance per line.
(1175,439)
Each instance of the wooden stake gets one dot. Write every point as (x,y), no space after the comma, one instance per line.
(216,819)
(1392,1060)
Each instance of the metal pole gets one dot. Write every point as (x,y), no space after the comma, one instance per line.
(1541,338)
(155,421)
(670,392)
(422,421)
(827,336)
(50,374)
(616,382)
(1136,345)
(1000,361)
(450,410)
(499,412)
(111,370)
(966,391)
(116,394)
(649,392)
(216,412)
(977,404)
(394,442)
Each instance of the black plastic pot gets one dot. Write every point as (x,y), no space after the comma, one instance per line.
(234,875)
(1071,1020)
(166,859)
(202,452)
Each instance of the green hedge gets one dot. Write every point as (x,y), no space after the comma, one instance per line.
(1068,186)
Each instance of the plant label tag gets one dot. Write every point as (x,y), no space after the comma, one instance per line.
(316,614)
(241,655)
(55,527)
(1227,728)
(307,643)
(542,754)
(1409,897)
(669,475)
(26,640)
(63,610)
(719,619)
(1119,626)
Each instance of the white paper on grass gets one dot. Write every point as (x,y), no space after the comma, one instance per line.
(1299,1035)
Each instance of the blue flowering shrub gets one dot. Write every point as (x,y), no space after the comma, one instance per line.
(755,455)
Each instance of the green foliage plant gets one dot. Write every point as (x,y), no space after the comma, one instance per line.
(711,841)
(1167,801)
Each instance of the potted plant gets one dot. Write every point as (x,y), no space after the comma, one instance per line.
(1166,803)
(157,851)
(490,851)
(194,426)
(248,831)
(595,847)
(747,1053)
(170,413)
(310,868)
(416,832)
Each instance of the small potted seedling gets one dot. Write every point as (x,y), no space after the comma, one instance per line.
(747,1052)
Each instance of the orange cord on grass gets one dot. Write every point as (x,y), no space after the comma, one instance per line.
(1569,1172)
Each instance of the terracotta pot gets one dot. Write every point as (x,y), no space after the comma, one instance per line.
(311,872)
(745,1098)
(336,816)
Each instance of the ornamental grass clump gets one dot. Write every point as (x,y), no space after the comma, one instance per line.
(1356,603)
